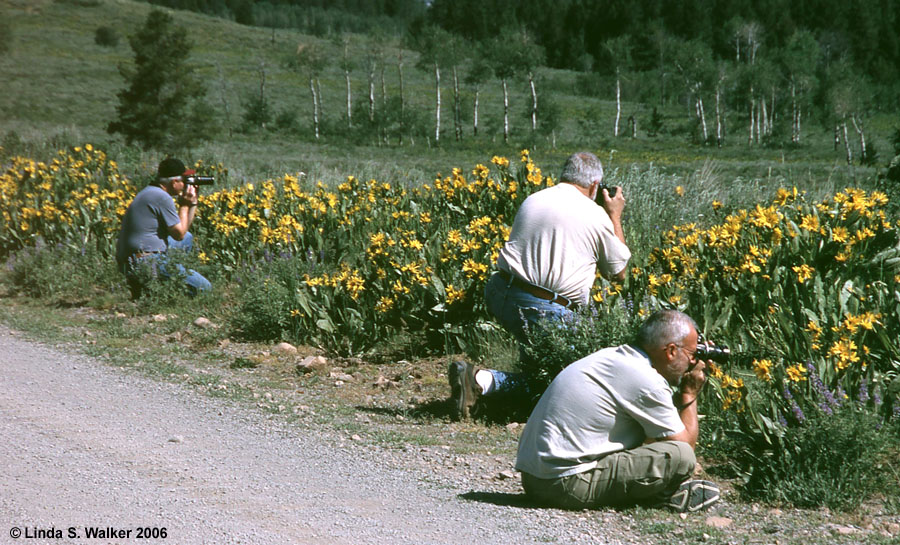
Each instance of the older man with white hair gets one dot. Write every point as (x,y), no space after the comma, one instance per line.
(559,239)
(610,430)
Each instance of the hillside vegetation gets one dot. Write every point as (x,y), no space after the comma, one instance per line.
(61,86)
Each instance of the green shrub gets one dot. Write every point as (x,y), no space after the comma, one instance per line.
(837,458)
(554,344)
(106,36)
(64,275)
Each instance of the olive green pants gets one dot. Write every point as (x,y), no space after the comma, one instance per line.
(646,474)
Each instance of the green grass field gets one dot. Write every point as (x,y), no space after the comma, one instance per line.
(59,88)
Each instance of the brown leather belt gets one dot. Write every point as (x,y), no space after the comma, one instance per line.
(537,291)
(139,255)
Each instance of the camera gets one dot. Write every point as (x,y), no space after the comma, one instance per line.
(610,189)
(199,180)
(718,354)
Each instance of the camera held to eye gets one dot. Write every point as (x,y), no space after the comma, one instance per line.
(611,189)
(199,180)
(718,354)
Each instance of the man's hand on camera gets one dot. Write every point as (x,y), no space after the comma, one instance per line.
(694,379)
(190,195)
(613,205)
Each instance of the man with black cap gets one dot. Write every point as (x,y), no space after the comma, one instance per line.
(152,226)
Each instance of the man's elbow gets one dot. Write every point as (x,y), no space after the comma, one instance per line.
(177,232)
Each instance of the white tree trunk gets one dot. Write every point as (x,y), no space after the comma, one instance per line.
(475,113)
(315,99)
(752,113)
(774,112)
(349,101)
(847,142)
(372,92)
(505,111)
(758,125)
(319,98)
(437,108)
(534,103)
(718,117)
(702,119)
(457,114)
(764,116)
(618,105)
(862,138)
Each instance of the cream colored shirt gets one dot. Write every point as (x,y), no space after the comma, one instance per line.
(559,239)
(612,400)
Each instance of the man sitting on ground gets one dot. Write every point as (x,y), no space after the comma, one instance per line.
(610,432)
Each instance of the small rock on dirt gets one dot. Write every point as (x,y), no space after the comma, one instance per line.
(718,522)
(312,364)
(204,323)
(285,348)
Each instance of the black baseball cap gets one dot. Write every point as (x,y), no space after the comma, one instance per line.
(171,167)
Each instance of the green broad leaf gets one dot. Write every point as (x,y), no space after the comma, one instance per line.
(438,284)
(845,294)
(723,314)
(819,290)
(303,301)
(325,325)
(456,209)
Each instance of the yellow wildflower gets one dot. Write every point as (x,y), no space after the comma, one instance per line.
(804,272)
(796,373)
(763,369)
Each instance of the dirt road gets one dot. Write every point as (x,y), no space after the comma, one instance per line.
(92,454)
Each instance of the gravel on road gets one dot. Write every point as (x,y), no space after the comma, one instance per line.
(89,446)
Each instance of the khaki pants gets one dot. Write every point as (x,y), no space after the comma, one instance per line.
(647,474)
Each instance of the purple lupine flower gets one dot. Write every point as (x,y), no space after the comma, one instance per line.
(782,420)
(840,396)
(829,397)
(826,408)
(863,396)
(787,394)
(798,413)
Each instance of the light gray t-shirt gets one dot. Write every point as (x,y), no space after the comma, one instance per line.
(612,400)
(559,239)
(145,226)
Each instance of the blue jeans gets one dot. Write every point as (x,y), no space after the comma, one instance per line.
(520,313)
(158,266)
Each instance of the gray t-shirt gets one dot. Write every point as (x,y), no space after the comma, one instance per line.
(612,400)
(145,226)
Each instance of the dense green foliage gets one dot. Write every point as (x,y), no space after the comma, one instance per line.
(315,17)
